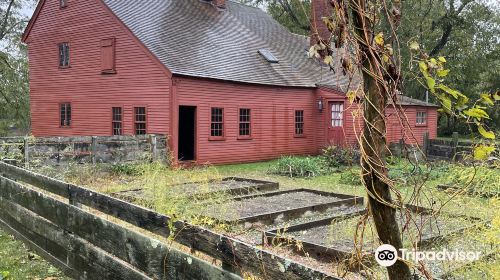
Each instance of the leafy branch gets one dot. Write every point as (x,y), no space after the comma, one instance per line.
(453,102)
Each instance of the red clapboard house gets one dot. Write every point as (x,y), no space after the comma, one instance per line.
(224,81)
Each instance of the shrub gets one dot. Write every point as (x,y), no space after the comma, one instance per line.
(350,178)
(130,169)
(479,180)
(299,166)
(336,156)
(406,173)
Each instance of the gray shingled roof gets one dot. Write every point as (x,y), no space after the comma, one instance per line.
(193,38)
(408,101)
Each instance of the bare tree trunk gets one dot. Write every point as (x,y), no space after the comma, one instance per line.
(374,142)
(374,168)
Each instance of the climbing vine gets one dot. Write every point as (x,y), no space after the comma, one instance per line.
(363,46)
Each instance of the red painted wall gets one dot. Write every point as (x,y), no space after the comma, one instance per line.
(273,124)
(353,120)
(407,128)
(140,79)
(273,110)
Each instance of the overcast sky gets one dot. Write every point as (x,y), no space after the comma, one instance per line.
(28,11)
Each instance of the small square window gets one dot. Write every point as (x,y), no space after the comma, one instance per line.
(421,118)
(65,114)
(64,55)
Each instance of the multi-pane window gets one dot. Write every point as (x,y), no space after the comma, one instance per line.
(65,114)
(217,122)
(117,122)
(421,117)
(337,114)
(64,54)
(140,120)
(299,122)
(245,124)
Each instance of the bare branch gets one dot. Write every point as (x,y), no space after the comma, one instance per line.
(289,10)
(447,21)
(3,27)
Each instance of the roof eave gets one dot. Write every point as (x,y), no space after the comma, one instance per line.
(180,74)
(32,21)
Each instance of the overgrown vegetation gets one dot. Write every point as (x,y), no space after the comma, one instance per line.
(332,159)
(166,192)
(336,156)
(14,89)
(294,166)
(350,177)
(480,181)
(17,262)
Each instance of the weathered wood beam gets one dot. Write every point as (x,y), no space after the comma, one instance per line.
(134,214)
(156,259)
(74,255)
(242,256)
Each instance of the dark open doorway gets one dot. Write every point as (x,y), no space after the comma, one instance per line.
(187,132)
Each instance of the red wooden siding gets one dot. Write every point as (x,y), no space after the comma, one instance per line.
(110,68)
(139,79)
(352,121)
(273,119)
(407,128)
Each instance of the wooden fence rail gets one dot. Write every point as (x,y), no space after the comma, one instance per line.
(86,246)
(129,248)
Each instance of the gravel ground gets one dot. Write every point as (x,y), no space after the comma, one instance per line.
(194,188)
(252,233)
(189,189)
(267,204)
(340,234)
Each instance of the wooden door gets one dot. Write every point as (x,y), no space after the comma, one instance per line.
(336,123)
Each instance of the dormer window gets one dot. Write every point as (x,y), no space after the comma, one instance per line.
(63,3)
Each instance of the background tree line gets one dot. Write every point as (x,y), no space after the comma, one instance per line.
(466,32)
(14,88)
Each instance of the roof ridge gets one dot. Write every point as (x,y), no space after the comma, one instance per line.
(246,5)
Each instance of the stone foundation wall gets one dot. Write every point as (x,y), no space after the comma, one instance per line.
(86,149)
(448,149)
(434,149)
(413,152)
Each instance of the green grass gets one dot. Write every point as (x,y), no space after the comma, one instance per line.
(17,262)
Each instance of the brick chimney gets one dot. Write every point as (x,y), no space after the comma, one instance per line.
(221,4)
(319,9)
